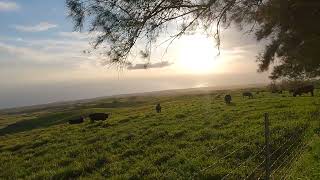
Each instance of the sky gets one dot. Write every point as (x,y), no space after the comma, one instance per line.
(42,59)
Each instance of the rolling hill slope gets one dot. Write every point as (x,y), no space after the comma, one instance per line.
(196,136)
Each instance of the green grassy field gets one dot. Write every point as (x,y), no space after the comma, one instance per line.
(196,136)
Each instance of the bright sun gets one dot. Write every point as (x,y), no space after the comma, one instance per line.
(197,54)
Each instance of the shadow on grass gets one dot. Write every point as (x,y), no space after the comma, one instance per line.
(231,104)
(39,122)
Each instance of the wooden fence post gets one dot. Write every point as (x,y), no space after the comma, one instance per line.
(267,144)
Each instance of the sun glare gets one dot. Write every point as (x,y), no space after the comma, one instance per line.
(197,54)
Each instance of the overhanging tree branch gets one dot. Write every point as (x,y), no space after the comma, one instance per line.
(123,23)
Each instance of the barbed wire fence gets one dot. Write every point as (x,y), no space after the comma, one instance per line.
(275,164)
(279,160)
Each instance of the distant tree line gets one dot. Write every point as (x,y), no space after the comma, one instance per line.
(289,85)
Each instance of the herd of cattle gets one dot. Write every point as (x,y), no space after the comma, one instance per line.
(103,116)
(297,91)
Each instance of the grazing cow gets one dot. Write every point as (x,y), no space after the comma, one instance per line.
(276,91)
(98,116)
(76,121)
(304,89)
(158,108)
(227,99)
(249,94)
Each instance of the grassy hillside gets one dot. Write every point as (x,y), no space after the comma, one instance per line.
(195,137)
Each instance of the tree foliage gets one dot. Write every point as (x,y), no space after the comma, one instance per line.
(290,27)
(294,31)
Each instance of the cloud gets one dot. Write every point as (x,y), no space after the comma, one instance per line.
(33,64)
(8,6)
(149,66)
(55,45)
(80,35)
(74,35)
(42,26)
(45,56)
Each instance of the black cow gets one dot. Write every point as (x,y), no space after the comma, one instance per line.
(227,99)
(158,108)
(76,121)
(249,94)
(99,116)
(304,89)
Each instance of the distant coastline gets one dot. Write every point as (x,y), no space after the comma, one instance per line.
(148,93)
